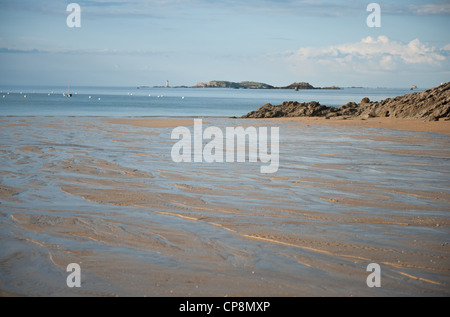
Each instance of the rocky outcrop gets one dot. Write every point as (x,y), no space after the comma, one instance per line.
(431,104)
(297,86)
(303,85)
(234,85)
(291,109)
(256,85)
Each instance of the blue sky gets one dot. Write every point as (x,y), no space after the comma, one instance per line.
(136,42)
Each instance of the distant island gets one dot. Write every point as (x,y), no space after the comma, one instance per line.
(245,85)
(256,85)
(234,85)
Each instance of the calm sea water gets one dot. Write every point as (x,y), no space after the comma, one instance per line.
(167,102)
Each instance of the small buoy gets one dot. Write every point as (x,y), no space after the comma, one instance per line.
(49,94)
(99,99)
(25,96)
(4,96)
(90,97)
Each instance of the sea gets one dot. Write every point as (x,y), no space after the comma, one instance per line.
(168,102)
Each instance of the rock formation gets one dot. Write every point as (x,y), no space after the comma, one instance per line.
(256,85)
(431,104)
(229,84)
(297,86)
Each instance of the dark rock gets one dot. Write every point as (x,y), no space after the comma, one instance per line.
(432,104)
(297,86)
(348,109)
(291,109)
(435,102)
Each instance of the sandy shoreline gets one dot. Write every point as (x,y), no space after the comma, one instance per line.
(105,193)
(380,123)
(405,124)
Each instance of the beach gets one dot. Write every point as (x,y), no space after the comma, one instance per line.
(105,193)
(405,124)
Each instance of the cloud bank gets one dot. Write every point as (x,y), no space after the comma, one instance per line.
(379,54)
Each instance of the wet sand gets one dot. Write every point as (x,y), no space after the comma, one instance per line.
(151,123)
(105,193)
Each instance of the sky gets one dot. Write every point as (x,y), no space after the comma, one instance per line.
(137,42)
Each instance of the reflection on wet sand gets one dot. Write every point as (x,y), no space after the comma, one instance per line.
(105,193)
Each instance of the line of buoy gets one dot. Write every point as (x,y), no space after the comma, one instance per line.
(90,97)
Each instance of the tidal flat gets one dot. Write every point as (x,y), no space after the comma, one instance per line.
(106,194)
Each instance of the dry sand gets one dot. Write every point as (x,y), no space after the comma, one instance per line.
(384,123)
(141,225)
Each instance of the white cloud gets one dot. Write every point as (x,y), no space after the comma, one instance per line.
(369,54)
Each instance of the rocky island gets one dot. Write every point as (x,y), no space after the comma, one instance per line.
(256,85)
(234,85)
(432,105)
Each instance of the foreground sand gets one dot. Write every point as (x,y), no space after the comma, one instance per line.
(105,193)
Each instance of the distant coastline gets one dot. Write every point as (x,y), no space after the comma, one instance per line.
(246,85)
